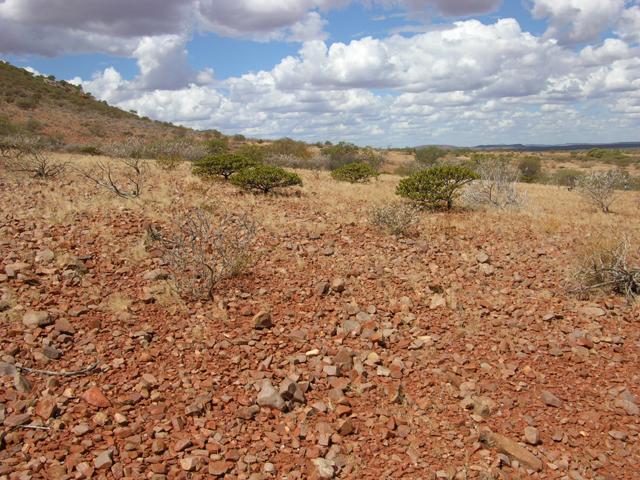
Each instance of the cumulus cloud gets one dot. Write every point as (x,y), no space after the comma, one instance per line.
(578,21)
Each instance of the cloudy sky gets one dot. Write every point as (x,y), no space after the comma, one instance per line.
(378,72)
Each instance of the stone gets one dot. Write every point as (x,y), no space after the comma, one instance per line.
(17,420)
(269,397)
(81,429)
(63,325)
(95,397)
(262,321)
(290,390)
(51,352)
(157,274)
(158,446)
(628,406)
(34,319)
(531,435)
(21,383)
(321,288)
(188,464)
(482,257)
(103,460)
(338,285)
(182,444)
(324,468)
(219,468)
(618,435)
(45,256)
(550,399)
(507,446)
(247,413)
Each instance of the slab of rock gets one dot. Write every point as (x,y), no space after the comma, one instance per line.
(45,256)
(7,369)
(262,321)
(290,390)
(95,397)
(34,319)
(63,325)
(507,446)
(631,408)
(46,408)
(550,399)
(270,397)
(51,352)
(531,435)
(338,285)
(324,468)
(103,460)
(17,420)
(220,468)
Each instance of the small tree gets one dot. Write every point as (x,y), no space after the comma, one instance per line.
(436,185)
(265,178)
(355,173)
(599,188)
(221,164)
(217,145)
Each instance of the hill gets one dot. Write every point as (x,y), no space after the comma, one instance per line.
(56,109)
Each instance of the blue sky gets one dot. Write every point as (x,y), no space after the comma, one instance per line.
(379,72)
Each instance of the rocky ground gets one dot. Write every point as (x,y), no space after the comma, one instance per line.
(343,353)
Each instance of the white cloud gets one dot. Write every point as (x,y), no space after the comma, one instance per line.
(628,27)
(578,21)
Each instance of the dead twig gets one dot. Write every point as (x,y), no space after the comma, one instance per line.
(84,371)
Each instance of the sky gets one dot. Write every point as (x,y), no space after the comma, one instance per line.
(373,72)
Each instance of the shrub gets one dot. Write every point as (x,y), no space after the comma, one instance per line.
(436,185)
(396,218)
(201,252)
(238,137)
(221,164)
(354,173)
(126,181)
(264,178)
(256,153)
(341,154)
(599,187)
(604,265)
(286,146)
(27,155)
(316,162)
(497,186)
(430,155)
(530,169)
(217,145)
(565,177)
(168,163)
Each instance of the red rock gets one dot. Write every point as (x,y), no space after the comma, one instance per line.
(95,397)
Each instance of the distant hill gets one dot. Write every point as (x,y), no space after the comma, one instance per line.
(563,147)
(64,113)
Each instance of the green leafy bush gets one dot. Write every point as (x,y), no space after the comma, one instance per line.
(253,152)
(355,173)
(286,146)
(264,178)
(222,164)
(436,185)
(345,153)
(530,169)
(430,155)
(217,145)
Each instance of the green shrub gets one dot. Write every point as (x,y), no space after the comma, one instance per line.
(264,178)
(217,145)
(355,173)
(222,164)
(344,153)
(253,152)
(436,185)
(565,177)
(530,169)
(430,155)
(286,146)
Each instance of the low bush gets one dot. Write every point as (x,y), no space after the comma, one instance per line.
(355,173)
(436,186)
(497,186)
(599,188)
(604,264)
(344,153)
(265,178)
(396,218)
(256,153)
(217,145)
(201,251)
(530,169)
(565,177)
(287,146)
(429,156)
(221,164)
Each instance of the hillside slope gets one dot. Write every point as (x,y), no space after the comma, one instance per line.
(63,112)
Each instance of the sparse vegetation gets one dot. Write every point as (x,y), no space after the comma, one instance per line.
(265,178)
(355,173)
(604,264)
(396,218)
(221,165)
(436,186)
(497,184)
(125,177)
(599,188)
(429,156)
(201,251)
(530,169)
(27,155)
(287,146)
